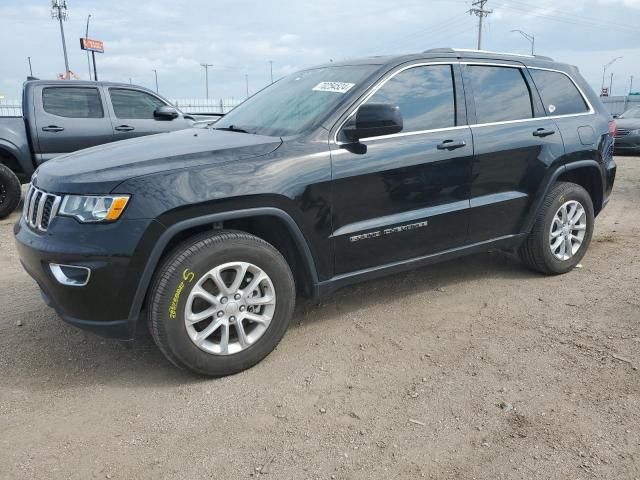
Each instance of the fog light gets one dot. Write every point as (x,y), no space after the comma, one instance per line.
(70,275)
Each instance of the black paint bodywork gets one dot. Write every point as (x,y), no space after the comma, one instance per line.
(320,191)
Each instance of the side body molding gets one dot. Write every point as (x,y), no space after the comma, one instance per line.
(169,233)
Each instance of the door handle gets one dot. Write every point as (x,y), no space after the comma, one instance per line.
(124,128)
(543,132)
(52,128)
(451,145)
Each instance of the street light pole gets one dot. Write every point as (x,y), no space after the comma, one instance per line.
(246,79)
(271,69)
(31,70)
(604,69)
(59,12)
(86,35)
(206,76)
(531,39)
(156,74)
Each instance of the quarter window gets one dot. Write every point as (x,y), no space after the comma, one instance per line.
(559,94)
(501,94)
(72,102)
(133,104)
(425,95)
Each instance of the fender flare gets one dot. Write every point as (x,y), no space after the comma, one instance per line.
(554,176)
(154,258)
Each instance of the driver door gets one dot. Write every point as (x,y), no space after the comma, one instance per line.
(405,195)
(132,113)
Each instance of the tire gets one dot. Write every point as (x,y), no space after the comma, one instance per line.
(176,296)
(537,251)
(10,191)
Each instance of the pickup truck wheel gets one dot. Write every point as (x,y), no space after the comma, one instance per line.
(10,191)
(221,302)
(562,231)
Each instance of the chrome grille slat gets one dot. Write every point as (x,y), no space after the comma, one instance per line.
(40,208)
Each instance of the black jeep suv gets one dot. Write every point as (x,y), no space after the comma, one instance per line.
(332,175)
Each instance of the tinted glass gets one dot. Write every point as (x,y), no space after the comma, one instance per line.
(559,95)
(425,96)
(501,94)
(133,104)
(72,102)
(297,102)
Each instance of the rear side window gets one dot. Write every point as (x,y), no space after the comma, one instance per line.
(559,94)
(133,104)
(501,94)
(72,102)
(425,95)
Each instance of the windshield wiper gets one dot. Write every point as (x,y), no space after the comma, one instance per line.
(231,128)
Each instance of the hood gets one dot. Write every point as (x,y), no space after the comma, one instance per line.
(631,123)
(100,169)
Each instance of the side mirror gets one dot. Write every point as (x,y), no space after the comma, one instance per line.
(616,115)
(165,112)
(374,120)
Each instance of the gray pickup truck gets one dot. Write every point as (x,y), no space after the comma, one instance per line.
(61,116)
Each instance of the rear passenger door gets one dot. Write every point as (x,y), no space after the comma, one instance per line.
(69,118)
(514,145)
(132,112)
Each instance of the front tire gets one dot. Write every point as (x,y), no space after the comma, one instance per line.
(562,231)
(221,303)
(10,191)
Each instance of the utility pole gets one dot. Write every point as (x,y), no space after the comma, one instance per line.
(611,85)
(271,69)
(156,74)
(246,79)
(630,84)
(206,76)
(531,39)
(86,35)
(59,12)
(477,8)
(31,70)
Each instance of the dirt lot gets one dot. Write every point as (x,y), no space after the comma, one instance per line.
(476,368)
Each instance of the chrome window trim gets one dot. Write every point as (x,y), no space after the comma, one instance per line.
(459,127)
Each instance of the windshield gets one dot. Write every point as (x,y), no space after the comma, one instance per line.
(633,113)
(297,102)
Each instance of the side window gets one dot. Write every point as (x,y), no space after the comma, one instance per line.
(559,94)
(72,102)
(501,94)
(133,104)
(425,95)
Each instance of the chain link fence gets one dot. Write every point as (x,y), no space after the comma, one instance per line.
(618,105)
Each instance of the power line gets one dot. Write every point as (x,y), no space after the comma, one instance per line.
(477,8)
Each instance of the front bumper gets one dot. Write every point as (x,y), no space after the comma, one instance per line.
(116,255)
(628,143)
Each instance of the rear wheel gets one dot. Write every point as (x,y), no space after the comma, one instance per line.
(221,303)
(562,231)
(10,191)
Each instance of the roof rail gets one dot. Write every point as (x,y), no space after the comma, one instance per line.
(469,50)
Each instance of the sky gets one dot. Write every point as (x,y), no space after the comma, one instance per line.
(241,37)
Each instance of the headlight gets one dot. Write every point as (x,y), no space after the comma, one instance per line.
(91,208)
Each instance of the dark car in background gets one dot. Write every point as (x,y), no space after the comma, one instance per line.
(62,116)
(628,131)
(332,175)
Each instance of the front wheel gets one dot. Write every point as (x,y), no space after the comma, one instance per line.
(562,231)
(221,303)
(10,191)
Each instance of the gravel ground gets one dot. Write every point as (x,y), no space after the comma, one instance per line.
(476,368)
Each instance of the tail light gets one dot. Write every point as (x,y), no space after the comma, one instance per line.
(613,128)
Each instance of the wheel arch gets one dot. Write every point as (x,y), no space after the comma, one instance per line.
(290,242)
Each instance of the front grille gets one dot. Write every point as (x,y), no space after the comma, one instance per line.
(40,208)
(622,132)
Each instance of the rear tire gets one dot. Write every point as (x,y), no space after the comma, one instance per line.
(562,231)
(10,191)
(221,302)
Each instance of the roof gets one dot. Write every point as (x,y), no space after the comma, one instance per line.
(83,83)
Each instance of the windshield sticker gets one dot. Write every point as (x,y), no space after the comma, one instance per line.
(335,87)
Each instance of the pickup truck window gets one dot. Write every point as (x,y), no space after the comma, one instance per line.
(425,96)
(559,95)
(72,102)
(133,104)
(297,102)
(501,94)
